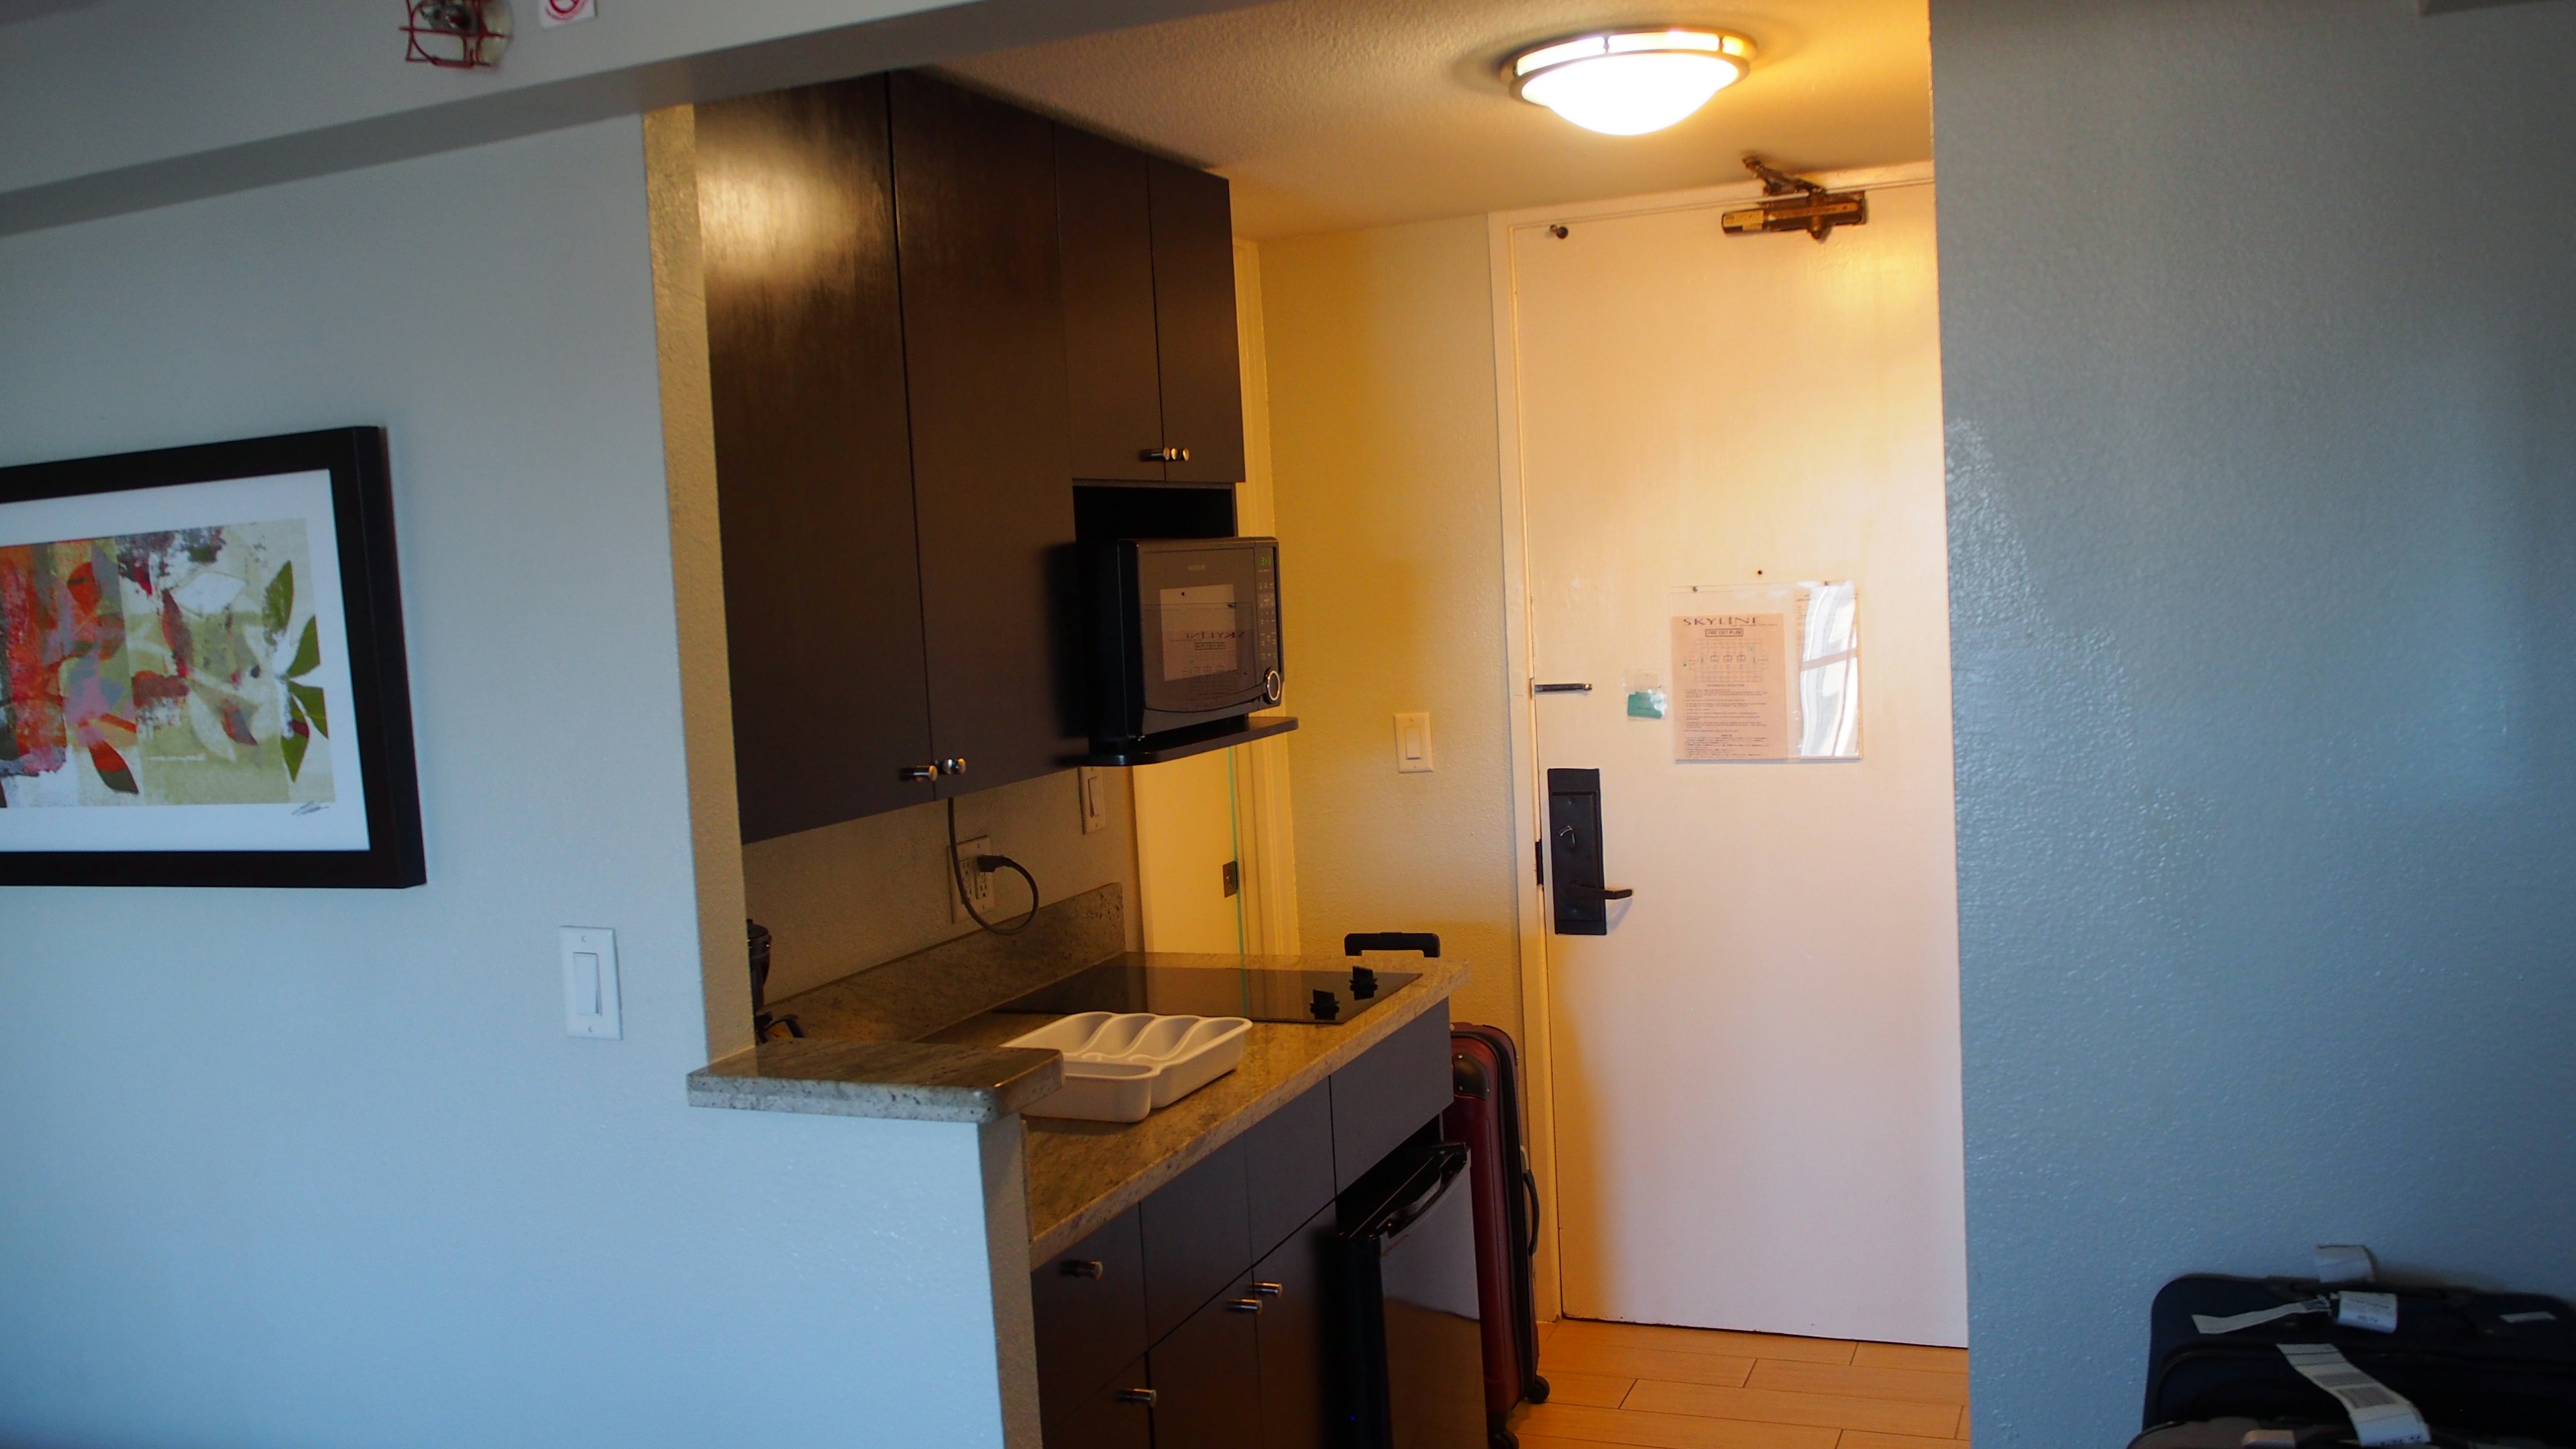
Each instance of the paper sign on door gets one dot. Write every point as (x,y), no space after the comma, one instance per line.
(1766,673)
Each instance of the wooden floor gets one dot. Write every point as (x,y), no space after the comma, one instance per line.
(1691,1388)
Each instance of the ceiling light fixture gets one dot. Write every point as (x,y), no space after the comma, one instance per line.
(1630,82)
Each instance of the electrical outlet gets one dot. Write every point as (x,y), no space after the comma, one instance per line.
(979,883)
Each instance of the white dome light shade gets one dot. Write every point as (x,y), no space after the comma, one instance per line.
(1630,82)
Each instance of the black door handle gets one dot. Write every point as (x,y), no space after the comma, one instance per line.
(1581,898)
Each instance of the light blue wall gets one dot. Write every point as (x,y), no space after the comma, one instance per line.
(2259,340)
(282,1169)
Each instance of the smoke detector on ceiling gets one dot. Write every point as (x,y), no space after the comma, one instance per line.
(1630,82)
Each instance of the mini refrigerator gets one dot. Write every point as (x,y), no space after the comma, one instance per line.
(1412,1341)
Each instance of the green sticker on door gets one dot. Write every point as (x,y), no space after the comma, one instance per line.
(1645,688)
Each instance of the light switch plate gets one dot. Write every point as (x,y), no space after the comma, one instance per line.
(1413,744)
(1095,801)
(980,882)
(590,983)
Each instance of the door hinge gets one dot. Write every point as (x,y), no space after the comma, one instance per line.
(1233,876)
(1538,861)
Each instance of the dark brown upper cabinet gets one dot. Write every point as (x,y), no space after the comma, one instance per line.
(983,327)
(1194,323)
(1150,353)
(813,455)
(897,273)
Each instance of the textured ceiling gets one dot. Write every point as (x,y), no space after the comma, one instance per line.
(1330,114)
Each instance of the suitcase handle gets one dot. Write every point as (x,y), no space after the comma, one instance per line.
(1529,1187)
(1425,942)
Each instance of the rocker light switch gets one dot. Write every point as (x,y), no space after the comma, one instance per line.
(1413,744)
(590,983)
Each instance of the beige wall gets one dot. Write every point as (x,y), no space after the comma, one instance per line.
(1381,392)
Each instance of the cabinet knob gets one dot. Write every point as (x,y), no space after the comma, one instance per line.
(954,765)
(917,773)
(1165,455)
(1082,1268)
(1136,1396)
(1270,1290)
(1245,1305)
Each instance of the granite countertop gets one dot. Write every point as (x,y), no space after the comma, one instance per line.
(1082,1174)
(919,1038)
(865,1052)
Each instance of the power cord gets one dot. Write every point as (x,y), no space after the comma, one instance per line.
(987,864)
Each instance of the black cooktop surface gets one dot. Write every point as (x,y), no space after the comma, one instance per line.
(1317,998)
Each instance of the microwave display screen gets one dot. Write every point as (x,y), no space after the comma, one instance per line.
(1201,632)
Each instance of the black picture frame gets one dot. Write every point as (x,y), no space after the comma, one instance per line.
(379,703)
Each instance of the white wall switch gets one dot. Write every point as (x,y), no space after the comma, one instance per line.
(979,883)
(590,983)
(1095,802)
(1413,744)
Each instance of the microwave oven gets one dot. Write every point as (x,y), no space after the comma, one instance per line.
(1184,632)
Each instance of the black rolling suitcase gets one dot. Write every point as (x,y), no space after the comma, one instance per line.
(2260,1434)
(2482,1366)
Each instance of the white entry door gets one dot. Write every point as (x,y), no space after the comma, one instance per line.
(1756,1069)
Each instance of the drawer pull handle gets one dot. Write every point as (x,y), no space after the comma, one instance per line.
(1270,1290)
(1083,1267)
(1136,1396)
(1245,1305)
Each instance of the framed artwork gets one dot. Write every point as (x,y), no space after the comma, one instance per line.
(201,669)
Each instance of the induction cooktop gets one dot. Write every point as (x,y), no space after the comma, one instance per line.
(1317,998)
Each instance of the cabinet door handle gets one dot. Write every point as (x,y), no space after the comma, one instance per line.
(1164,455)
(915,773)
(1083,1267)
(953,765)
(1136,1396)
(1270,1290)
(1245,1305)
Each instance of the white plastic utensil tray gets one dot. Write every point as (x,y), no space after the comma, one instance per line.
(1120,1066)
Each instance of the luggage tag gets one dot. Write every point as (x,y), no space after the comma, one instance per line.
(2374,1311)
(2380,1415)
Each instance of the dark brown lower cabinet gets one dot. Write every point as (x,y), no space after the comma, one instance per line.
(1119,1416)
(1227,1271)
(1297,1405)
(1207,1376)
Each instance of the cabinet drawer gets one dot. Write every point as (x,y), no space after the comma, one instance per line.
(1288,1166)
(1197,1237)
(1388,1094)
(1207,1376)
(1089,1303)
(1118,1416)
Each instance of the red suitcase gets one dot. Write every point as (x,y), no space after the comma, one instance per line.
(1486,1115)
